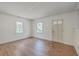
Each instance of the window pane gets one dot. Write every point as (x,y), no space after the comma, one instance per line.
(19,27)
(55,22)
(59,22)
(39,27)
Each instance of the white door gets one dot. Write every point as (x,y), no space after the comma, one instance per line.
(57,30)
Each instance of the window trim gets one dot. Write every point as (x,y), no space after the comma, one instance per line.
(37,28)
(19,30)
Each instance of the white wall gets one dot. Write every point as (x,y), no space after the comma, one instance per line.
(68,25)
(8,28)
(46,31)
(76,33)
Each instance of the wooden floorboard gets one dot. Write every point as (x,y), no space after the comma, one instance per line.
(36,47)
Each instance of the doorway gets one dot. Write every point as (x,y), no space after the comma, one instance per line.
(57,30)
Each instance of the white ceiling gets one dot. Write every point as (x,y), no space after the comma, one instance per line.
(34,10)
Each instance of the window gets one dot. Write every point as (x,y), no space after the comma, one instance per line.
(39,27)
(59,22)
(55,22)
(19,27)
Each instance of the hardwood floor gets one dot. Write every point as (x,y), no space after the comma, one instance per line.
(36,47)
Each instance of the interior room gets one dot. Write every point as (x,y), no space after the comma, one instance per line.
(39,28)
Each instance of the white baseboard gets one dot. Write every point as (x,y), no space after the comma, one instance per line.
(43,38)
(12,40)
(67,43)
(77,50)
(56,41)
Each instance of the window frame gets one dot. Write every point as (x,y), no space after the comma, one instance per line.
(39,29)
(19,27)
